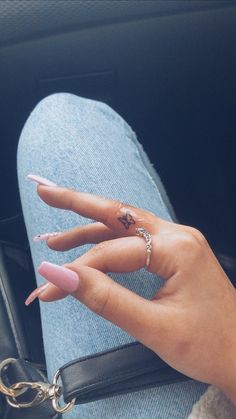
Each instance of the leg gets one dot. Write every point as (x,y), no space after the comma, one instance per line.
(83,144)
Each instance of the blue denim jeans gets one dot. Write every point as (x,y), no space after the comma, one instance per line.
(85,145)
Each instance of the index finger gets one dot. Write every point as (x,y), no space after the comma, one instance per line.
(114,214)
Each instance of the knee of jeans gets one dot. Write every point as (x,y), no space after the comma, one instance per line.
(58,105)
(56,101)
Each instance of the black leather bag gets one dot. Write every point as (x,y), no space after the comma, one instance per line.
(123,369)
(23,381)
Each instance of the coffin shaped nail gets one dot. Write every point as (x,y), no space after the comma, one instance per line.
(62,277)
(38,291)
(45,236)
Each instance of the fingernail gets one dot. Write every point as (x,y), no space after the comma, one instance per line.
(45,236)
(38,291)
(41,180)
(62,277)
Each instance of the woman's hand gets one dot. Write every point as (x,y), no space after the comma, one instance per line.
(191,321)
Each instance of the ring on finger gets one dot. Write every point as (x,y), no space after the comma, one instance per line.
(142,232)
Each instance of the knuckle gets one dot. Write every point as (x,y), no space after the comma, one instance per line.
(99,253)
(181,339)
(175,337)
(198,235)
(118,208)
(188,242)
(72,193)
(69,195)
(99,248)
(114,209)
(182,345)
(101,301)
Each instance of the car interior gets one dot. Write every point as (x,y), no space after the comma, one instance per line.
(168,67)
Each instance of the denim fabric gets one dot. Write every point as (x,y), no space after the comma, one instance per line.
(85,145)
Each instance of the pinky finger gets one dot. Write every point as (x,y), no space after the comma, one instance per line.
(46,292)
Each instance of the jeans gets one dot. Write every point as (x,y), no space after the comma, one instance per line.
(85,145)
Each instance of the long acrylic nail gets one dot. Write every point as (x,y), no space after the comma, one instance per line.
(45,236)
(38,291)
(62,277)
(41,180)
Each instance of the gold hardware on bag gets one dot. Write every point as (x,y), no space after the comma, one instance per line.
(55,400)
(44,391)
(7,391)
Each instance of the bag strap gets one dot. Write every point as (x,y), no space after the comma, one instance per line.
(124,369)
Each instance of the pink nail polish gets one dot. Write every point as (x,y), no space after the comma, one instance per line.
(38,291)
(45,236)
(41,180)
(62,277)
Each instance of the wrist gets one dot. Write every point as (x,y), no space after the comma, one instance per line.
(227,380)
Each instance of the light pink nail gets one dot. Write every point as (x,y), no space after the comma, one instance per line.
(62,277)
(41,180)
(45,236)
(38,291)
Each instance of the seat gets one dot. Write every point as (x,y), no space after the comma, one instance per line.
(20,326)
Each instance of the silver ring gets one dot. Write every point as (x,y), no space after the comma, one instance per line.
(142,232)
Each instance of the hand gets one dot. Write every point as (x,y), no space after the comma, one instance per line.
(191,321)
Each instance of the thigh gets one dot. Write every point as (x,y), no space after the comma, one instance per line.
(85,145)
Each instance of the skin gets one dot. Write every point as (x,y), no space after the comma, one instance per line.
(191,321)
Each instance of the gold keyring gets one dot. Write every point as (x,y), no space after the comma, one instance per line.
(4,389)
(44,391)
(41,395)
(55,401)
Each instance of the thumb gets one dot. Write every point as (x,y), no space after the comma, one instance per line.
(139,317)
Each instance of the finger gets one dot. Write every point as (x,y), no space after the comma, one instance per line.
(78,236)
(51,292)
(126,254)
(134,314)
(118,216)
